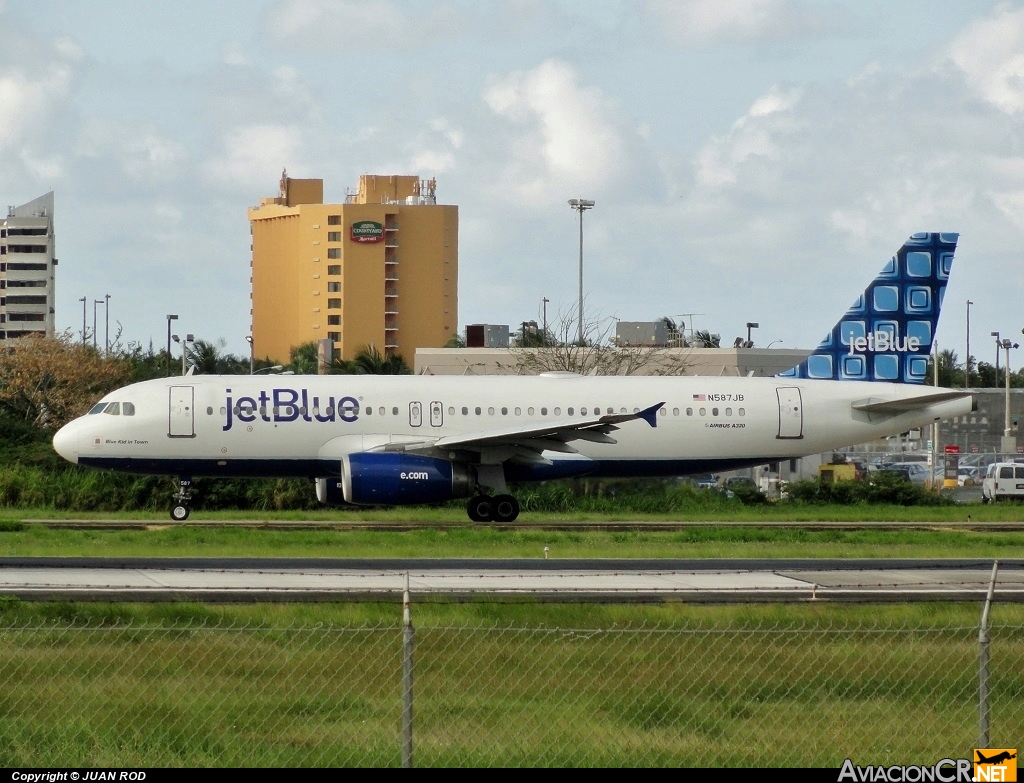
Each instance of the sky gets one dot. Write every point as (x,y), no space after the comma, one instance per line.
(750,160)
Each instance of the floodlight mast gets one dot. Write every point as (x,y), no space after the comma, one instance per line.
(581,205)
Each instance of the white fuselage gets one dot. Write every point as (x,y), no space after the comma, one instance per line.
(302,425)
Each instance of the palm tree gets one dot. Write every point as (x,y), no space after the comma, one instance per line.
(369,361)
(305,360)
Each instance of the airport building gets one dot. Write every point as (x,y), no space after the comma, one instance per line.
(379,269)
(27,267)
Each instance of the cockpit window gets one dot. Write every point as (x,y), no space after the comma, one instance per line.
(97,408)
(128,409)
(113,408)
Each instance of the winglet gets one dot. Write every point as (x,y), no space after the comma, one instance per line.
(650,415)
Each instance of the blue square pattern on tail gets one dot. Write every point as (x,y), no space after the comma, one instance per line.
(886,335)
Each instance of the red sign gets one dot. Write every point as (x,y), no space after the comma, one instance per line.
(952,449)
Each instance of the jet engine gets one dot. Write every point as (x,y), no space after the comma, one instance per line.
(394,479)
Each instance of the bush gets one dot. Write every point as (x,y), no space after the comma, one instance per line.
(882,488)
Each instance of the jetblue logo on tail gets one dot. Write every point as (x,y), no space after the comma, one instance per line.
(887,333)
(882,342)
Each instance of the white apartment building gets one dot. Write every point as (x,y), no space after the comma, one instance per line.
(27,268)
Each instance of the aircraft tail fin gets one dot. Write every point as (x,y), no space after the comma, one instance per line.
(887,333)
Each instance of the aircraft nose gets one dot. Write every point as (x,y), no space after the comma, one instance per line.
(65,442)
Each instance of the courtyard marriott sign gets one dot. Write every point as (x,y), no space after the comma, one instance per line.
(367,231)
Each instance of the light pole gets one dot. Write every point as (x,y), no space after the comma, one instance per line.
(252,356)
(581,205)
(751,325)
(94,303)
(1006,445)
(998,346)
(106,311)
(184,348)
(544,307)
(82,300)
(170,318)
(967,381)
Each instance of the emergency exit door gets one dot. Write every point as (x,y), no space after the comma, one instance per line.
(791,412)
(181,422)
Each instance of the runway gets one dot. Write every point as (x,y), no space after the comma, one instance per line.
(319,579)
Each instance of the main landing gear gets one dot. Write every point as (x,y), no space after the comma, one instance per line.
(500,508)
(179,507)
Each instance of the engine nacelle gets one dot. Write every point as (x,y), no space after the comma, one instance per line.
(395,479)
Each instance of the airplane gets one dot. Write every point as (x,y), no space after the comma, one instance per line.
(404,440)
(1003,756)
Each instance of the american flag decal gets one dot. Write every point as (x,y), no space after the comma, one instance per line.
(700,398)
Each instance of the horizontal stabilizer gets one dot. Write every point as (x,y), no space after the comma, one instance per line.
(874,405)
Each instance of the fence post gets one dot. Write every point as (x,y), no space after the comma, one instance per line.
(408,635)
(983,662)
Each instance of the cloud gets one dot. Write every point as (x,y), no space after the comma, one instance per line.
(564,136)
(360,24)
(29,100)
(253,156)
(138,152)
(752,135)
(990,52)
(699,22)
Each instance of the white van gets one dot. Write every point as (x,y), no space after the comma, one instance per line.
(1003,480)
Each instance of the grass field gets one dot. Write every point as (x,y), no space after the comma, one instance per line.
(24,538)
(500,685)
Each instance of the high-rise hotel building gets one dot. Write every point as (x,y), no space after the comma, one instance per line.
(380,269)
(27,267)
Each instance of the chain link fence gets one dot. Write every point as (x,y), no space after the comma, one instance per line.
(745,692)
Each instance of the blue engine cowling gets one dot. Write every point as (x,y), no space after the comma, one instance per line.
(395,479)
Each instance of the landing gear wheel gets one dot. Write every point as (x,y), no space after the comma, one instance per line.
(505,508)
(179,507)
(480,508)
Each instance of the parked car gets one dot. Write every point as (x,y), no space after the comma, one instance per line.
(741,483)
(968,476)
(914,472)
(708,481)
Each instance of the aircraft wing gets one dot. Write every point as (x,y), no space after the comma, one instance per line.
(874,405)
(549,436)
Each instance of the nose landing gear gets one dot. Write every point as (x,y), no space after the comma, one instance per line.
(180,506)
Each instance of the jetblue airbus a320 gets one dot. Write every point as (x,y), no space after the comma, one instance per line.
(387,440)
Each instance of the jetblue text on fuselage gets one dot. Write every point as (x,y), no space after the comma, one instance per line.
(284,405)
(883,342)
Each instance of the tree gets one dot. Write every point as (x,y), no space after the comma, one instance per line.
(49,381)
(702,338)
(369,361)
(951,374)
(304,359)
(595,355)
